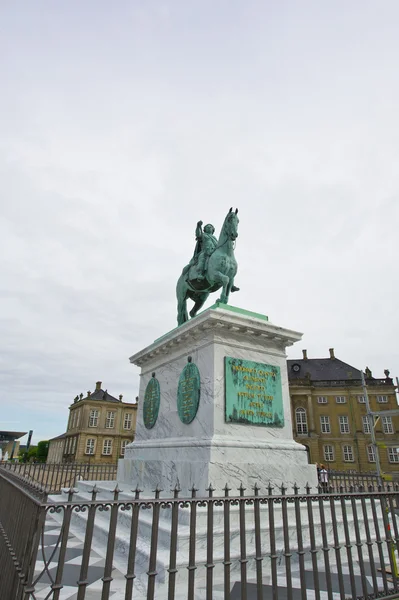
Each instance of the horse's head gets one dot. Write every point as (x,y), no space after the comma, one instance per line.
(230,225)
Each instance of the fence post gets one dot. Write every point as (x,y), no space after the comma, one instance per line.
(273,555)
(130,575)
(173,543)
(209,545)
(313,549)
(27,585)
(191,553)
(243,545)
(226,542)
(82,582)
(258,545)
(300,551)
(152,567)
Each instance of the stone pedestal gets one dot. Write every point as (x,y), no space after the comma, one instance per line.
(213,447)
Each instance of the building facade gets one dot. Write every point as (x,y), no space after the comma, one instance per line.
(9,444)
(329,414)
(99,428)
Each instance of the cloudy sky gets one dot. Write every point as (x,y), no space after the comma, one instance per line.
(123,123)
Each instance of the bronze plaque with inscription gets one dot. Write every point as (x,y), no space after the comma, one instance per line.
(188,392)
(152,399)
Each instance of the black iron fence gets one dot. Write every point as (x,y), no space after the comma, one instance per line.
(350,479)
(235,546)
(54,477)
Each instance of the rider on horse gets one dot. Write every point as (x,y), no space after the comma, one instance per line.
(212,267)
(206,244)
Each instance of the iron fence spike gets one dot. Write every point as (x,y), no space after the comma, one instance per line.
(210,489)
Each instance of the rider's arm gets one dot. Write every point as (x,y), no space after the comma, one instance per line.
(198,231)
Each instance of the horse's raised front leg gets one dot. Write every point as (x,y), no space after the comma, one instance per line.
(224,279)
(182,314)
(199,303)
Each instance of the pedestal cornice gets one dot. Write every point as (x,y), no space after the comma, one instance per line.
(215,320)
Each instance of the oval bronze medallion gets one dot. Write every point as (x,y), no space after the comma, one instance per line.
(152,398)
(188,392)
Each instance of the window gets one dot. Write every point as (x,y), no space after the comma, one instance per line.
(371,453)
(366,424)
(301,420)
(382,399)
(110,420)
(344,424)
(107,447)
(322,399)
(348,453)
(90,443)
(127,423)
(328,453)
(325,424)
(123,446)
(93,420)
(340,399)
(361,399)
(393,455)
(387,424)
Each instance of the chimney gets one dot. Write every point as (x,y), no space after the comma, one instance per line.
(332,355)
(305,354)
(98,385)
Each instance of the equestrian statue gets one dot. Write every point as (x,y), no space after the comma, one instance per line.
(213,266)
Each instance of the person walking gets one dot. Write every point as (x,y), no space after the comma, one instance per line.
(323,478)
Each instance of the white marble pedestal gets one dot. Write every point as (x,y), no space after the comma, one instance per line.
(209,449)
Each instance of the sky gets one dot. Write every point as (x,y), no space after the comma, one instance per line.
(124,123)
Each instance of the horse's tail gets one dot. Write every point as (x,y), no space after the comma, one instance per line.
(181,289)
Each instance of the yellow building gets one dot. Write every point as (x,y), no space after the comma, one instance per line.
(329,414)
(99,427)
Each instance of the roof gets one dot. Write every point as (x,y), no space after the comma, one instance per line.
(98,394)
(11,435)
(322,369)
(59,437)
(102,395)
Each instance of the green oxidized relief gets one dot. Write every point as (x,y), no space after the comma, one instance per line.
(253,393)
(152,398)
(188,392)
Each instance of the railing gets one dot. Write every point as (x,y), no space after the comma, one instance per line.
(233,546)
(351,479)
(54,477)
(22,520)
(306,381)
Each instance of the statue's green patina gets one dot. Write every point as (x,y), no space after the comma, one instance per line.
(213,266)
